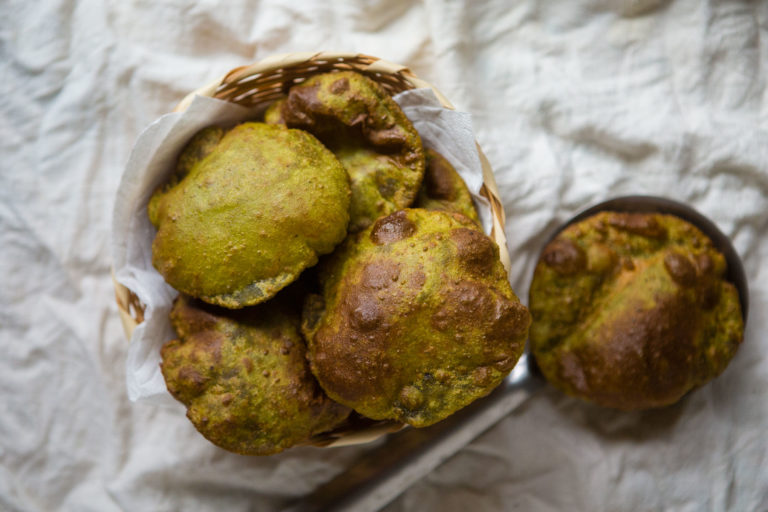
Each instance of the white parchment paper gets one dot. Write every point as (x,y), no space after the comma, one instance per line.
(152,159)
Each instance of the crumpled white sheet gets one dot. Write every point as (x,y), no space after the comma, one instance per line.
(572,102)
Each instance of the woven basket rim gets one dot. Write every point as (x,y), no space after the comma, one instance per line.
(234,86)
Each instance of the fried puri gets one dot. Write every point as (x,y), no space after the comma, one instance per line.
(632,311)
(367,131)
(444,189)
(244,378)
(416,318)
(246,211)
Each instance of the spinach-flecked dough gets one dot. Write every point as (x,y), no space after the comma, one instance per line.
(416,319)
(244,378)
(444,189)
(368,132)
(246,211)
(632,310)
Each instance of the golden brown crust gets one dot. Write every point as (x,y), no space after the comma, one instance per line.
(444,189)
(417,318)
(244,377)
(367,131)
(631,310)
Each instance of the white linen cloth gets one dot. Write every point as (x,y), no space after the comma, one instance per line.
(573,102)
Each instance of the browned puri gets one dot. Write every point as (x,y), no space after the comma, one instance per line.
(259,84)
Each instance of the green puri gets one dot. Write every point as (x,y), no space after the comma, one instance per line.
(444,189)
(631,311)
(244,378)
(246,211)
(369,134)
(416,318)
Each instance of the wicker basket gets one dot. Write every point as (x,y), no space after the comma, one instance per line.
(261,83)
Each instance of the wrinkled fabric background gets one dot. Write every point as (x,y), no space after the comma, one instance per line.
(573,102)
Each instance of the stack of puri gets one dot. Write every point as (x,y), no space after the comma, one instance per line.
(328,266)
